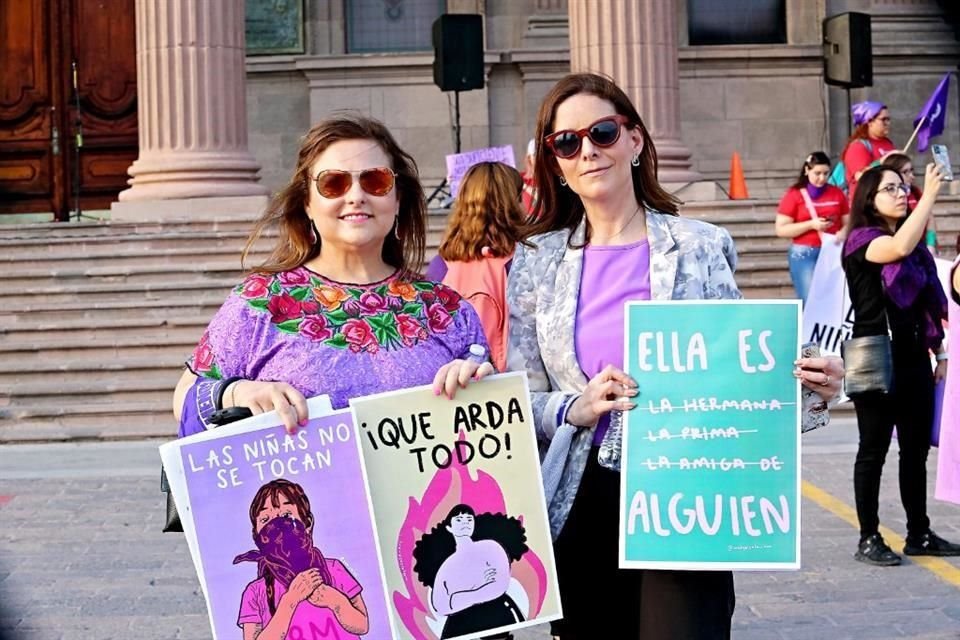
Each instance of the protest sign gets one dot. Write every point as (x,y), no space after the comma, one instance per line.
(458,163)
(263,509)
(827,316)
(459,508)
(948,460)
(711,460)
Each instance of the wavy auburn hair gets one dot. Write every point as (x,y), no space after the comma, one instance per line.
(487,213)
(288,208)
(559,207)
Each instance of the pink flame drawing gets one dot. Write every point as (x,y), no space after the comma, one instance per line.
(448,488)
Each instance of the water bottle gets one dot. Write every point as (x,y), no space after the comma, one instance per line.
(612,443)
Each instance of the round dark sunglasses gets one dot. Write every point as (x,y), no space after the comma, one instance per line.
(603,133)
(333,183)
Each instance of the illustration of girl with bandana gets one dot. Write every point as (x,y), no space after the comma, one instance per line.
(298,593)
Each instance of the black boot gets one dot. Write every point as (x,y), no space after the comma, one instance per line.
(873,550)
(930,544)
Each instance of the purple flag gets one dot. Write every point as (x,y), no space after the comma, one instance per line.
(934,114)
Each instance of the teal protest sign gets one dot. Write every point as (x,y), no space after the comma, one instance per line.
(711,460)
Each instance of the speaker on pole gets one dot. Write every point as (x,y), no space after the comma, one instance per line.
(458,52)
(847,50)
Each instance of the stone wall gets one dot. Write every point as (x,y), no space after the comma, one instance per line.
(768,103)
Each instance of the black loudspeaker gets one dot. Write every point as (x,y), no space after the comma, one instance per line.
(458,52)
(847,50)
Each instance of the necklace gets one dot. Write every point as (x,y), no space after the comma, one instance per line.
(624,227)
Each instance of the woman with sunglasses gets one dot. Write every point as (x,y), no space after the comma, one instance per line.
(338,307)
(606,232)
(808,208)
(895,291)
(868,143)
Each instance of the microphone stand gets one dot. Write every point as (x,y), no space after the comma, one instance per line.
(443,190)
(78,145)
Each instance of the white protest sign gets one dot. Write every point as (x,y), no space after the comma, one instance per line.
(458,163)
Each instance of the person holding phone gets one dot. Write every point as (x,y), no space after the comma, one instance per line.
(902,164)
(894,289)
(809,208)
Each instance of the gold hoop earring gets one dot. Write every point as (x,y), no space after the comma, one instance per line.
(396,226)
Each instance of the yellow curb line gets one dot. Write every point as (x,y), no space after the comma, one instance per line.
(937,566)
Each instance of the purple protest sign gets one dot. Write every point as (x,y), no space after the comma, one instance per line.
(284,533)
(458,163)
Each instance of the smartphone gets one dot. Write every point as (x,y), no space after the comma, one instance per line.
(810,350)
(942,157)
(814,413)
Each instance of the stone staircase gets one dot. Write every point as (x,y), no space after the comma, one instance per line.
(96,319)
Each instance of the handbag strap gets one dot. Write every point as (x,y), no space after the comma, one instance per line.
(812,210)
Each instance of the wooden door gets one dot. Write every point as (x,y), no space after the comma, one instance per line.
(40,158)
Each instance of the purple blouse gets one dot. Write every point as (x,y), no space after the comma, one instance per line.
(611,276)
(327,337)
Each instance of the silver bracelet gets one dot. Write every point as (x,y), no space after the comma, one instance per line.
(943,355)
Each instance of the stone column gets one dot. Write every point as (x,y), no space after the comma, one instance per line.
(191,105)
(635,43)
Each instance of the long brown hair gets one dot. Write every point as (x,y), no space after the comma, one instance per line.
(296,242)
(559,207)
(487,213)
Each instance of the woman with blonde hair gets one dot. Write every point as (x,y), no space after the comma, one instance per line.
(484,227)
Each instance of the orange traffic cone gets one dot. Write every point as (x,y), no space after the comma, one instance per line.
(738,185)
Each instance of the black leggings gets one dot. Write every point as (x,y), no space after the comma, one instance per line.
(909,406)
(600,600)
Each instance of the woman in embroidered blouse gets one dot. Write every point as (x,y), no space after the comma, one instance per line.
(607,232)
(795,221)
(894,289)
(337,308)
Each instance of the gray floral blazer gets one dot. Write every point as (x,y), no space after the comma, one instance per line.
(689,260)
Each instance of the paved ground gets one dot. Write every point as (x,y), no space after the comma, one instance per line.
(82,556)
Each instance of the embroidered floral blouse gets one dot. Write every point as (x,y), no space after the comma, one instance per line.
(327,337)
